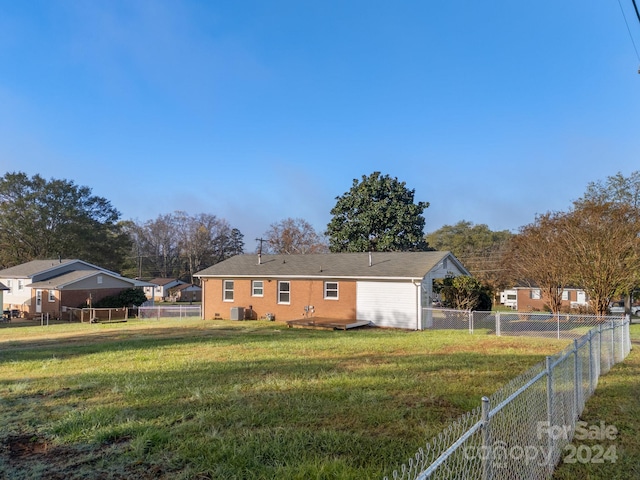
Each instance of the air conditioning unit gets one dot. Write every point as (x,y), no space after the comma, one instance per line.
(237,313)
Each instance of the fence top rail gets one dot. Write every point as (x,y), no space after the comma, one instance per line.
(171,308)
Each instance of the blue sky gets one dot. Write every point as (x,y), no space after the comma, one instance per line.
(256,111)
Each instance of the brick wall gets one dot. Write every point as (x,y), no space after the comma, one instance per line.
(526,303)
(302,293)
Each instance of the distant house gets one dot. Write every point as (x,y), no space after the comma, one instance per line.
(159,291)
(525,298)
(187,292)
(3,288)
(46,286)
(387,289)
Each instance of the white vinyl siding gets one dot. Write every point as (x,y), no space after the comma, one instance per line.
(388,304)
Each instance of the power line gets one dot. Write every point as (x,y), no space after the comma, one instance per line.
(636,9)
(628,29)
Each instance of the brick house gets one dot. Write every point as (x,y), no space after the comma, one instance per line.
(46,286)
(384,288)
(531,299)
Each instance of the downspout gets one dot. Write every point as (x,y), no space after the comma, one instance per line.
(418,285)
(203,282)
(418,316)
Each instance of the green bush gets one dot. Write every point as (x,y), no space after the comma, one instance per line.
(126,298)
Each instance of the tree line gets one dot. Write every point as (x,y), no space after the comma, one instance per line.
(594,245)
(42,218)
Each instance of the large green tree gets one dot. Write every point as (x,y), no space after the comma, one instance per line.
(378,213)
(463,293)
(479,248)
(42,219)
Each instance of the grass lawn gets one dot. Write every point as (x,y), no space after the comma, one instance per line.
(238,400)
(616,402)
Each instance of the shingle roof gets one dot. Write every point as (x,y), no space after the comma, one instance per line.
(60,281)
(331,265)
(29,269)
(161,281)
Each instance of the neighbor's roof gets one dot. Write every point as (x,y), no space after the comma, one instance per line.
(29,269)
(332,265)
(66,279)
(164,281)
(187,287)
(35,267)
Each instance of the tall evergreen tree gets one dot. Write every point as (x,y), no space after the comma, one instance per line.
(378,213)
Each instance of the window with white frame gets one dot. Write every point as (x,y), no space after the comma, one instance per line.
(9,286)
(284,292)
(227,290)
(257,288)
(20,285)
(534,294)
(331,290)
(99,279)
(565,295)
(52,295)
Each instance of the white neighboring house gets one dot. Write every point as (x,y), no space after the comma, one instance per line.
(509,298)
(3,288)
(159,291)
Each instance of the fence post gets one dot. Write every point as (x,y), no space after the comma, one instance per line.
(550,416)
(486,441)
(591,389)
(612,357)
(599,350)
(622,337)
(497,324)
(471,322)
(558,324)
(576,394)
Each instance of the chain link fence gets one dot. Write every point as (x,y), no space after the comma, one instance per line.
(170,311)
(521,430)
(560,326)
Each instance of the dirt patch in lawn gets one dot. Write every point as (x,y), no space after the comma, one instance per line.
(25,456)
